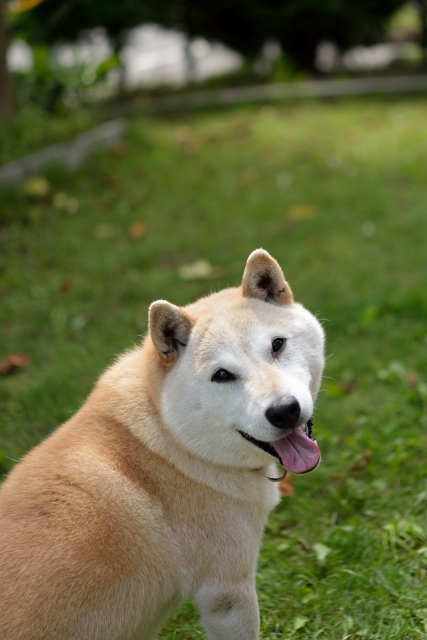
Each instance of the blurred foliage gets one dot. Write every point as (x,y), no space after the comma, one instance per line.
(32,128)
(47,83)
(58,20)
(299,25)
(56,88)
(406,22)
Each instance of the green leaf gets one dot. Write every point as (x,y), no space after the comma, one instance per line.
(321,551)
(283,546)
(300,622)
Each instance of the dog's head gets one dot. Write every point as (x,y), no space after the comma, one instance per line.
(242,369)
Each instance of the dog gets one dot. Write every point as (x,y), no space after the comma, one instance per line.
(158,489)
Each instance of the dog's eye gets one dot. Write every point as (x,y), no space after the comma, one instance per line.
(277,344)
(222,375)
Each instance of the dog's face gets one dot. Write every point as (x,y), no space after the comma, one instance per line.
(244,368)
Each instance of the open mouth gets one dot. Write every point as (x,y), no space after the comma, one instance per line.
(298,451)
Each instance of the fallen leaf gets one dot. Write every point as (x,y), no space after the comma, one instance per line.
(362,462)
(37,187)
(300,622)
(412,379)
(184,134)
(187,139)
(59,199)
(268,112)
(248,176)
(78,322)
(118,150)
(13,362)
(321,551)
(368,229)
(193,146)
(302,212)
(103,231)
(286,486)
(137,230)
(284,179)
(65,285)
(334,162)
(196,270)
(349,386)
(112,180)
(199,270)
(240,130)
(72,205)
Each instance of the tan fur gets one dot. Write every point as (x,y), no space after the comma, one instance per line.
(263,279)
(111,523)
(169,327)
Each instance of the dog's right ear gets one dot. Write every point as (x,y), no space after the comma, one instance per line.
(170,329)
(264,279)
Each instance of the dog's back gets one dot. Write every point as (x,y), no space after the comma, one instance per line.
(81,510)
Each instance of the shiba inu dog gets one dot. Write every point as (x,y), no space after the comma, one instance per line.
(158,489)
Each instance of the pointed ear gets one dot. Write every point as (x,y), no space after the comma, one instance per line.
(170,328)
(264,279)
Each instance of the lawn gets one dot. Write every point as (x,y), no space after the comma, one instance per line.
(32,129)
(337,192)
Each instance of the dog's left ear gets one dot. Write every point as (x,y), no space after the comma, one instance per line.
(170,329)
(264,279)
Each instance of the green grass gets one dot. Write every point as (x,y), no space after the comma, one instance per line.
(337,193)
(32,129)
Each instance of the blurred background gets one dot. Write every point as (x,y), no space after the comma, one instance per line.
(146,148)
(57,55)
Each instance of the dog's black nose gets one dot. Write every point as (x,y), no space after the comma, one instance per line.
(285,415)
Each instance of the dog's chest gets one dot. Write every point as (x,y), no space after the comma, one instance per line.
(218,536)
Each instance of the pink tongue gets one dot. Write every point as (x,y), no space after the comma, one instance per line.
(297,451)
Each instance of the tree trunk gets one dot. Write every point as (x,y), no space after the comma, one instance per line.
(190,61)
(118,43)
(423,12)
(7,106)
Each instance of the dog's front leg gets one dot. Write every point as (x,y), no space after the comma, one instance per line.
(229,612)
